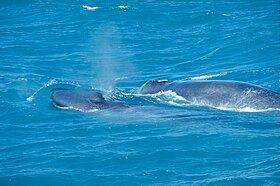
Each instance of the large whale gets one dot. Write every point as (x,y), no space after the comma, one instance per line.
(218,93)
(83,100)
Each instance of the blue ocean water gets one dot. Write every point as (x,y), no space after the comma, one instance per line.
(116,46)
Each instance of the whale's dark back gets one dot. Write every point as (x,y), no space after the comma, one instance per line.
(230,94)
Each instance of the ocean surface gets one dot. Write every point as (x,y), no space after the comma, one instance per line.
(115,47)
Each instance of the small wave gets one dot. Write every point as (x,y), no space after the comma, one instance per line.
(123,7)
(208,76)
(209,54)
(226,15)
(23,79)
(48,84)
(91,8)
(121,78)
(31,98)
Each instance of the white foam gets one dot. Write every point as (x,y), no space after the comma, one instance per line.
(123,7)
(73,108)
(171,98)
(30,99)
(91,8)
(170,94)
(162,80)
(22,79)
(203,77)
(226,15)
(174,103)
(245,109)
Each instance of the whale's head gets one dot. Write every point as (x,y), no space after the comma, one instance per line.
(77,99)
(153,86)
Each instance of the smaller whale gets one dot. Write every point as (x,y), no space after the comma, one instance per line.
(83,100)
(218,93)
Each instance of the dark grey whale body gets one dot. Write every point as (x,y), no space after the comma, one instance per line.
(83,100)
(217,93)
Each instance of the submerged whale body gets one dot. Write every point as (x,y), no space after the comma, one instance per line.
(83,100)
(217,93)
